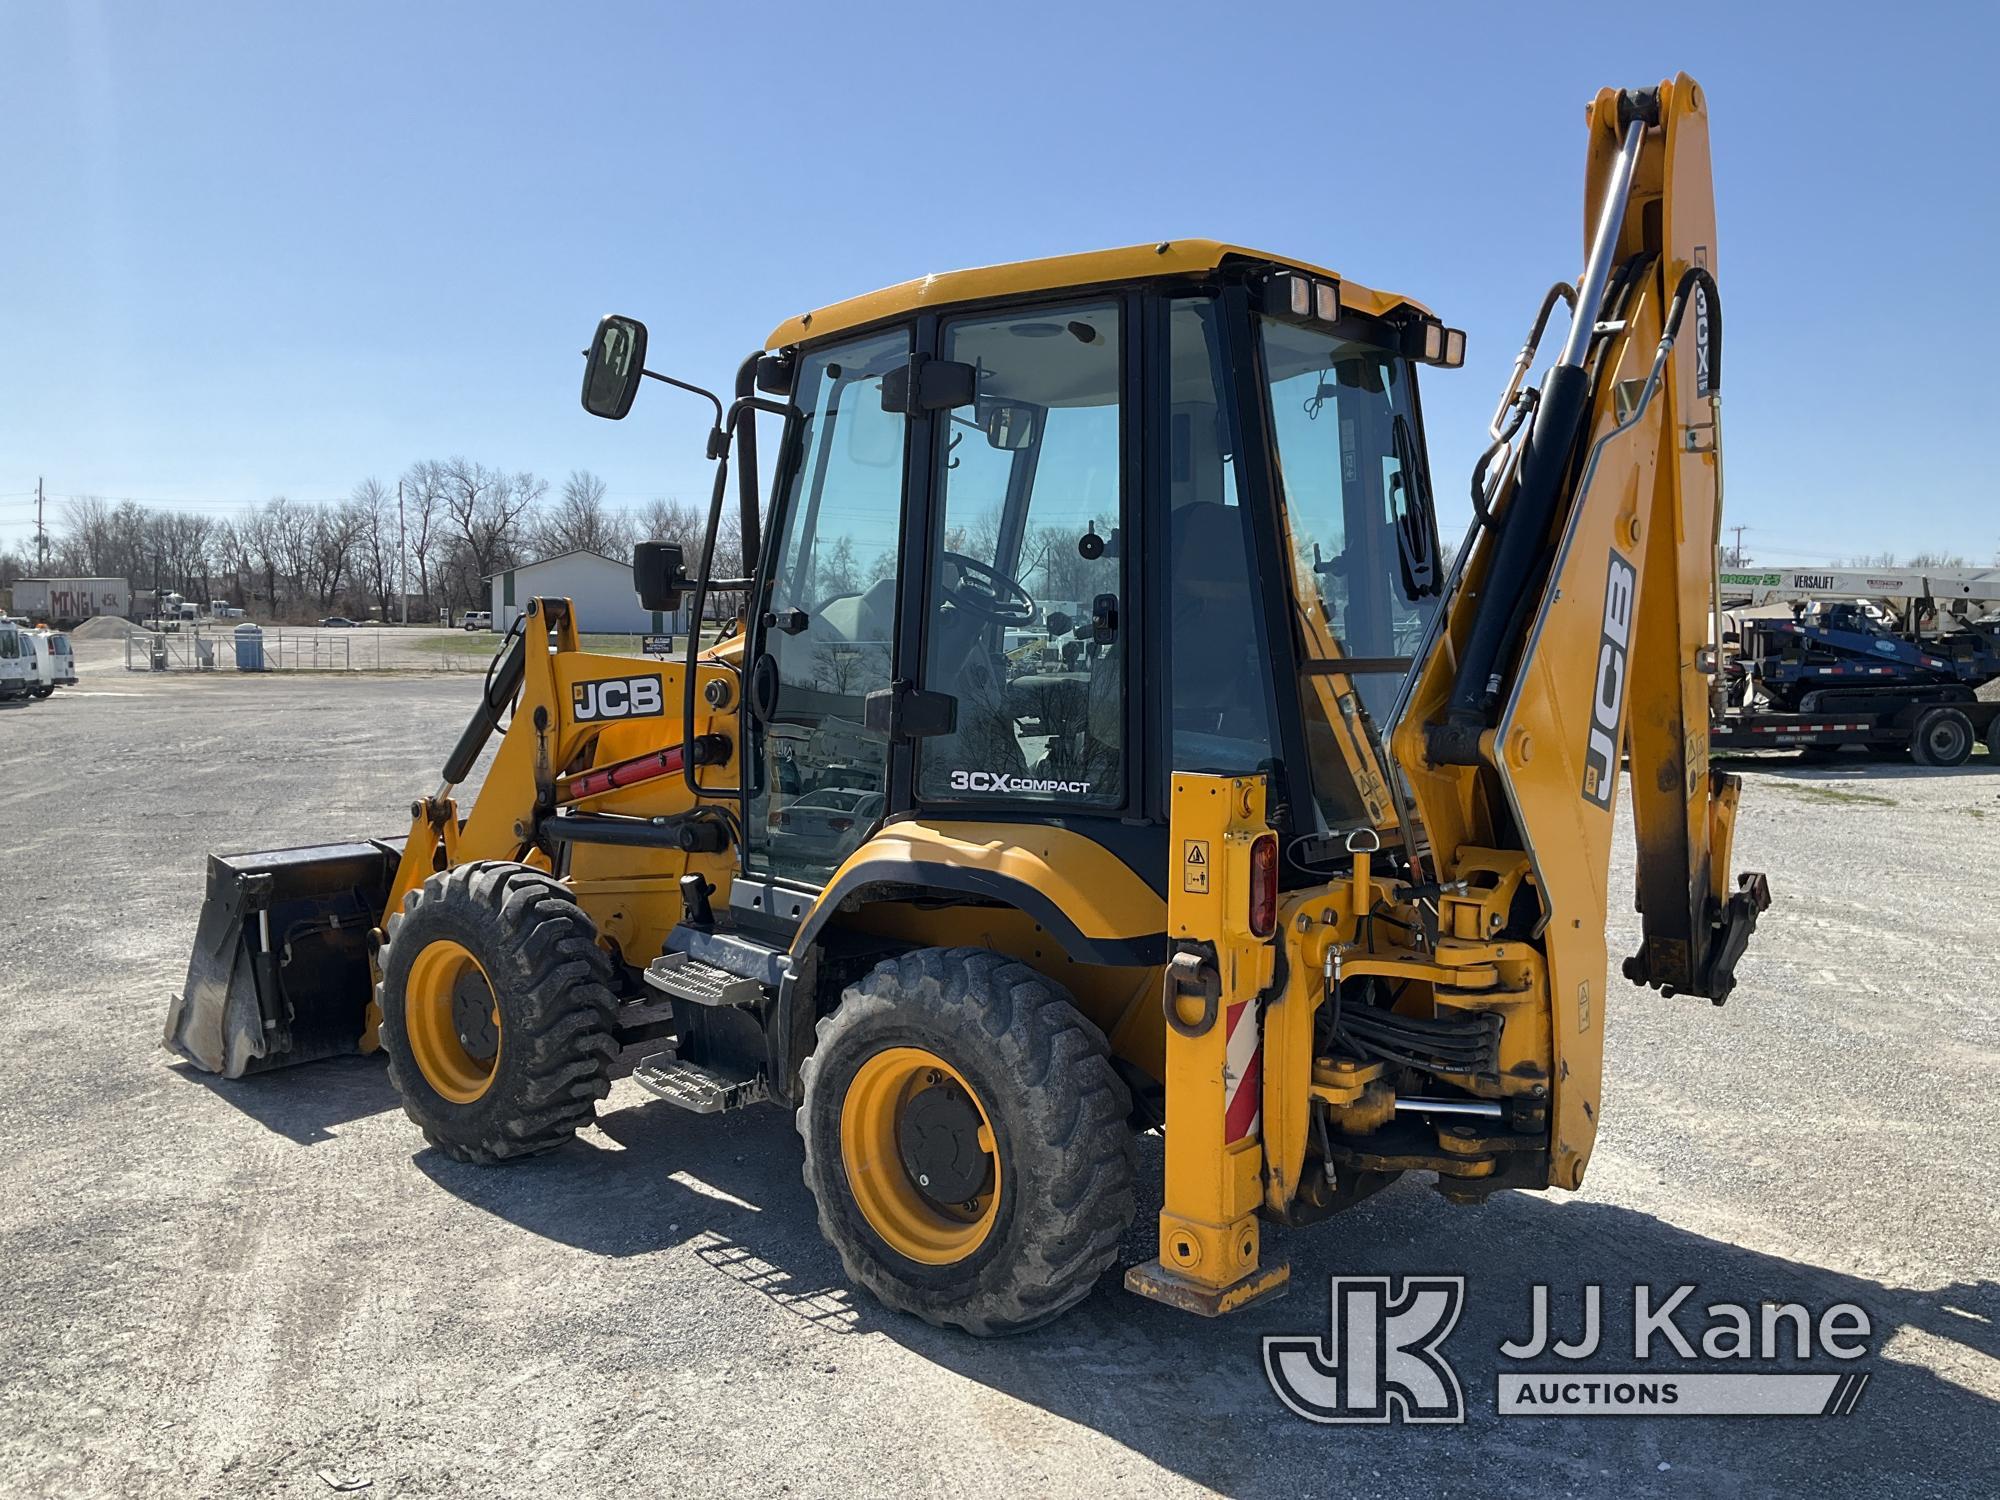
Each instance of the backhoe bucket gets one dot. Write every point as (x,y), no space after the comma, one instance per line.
(280,972)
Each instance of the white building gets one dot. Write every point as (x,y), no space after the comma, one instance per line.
(600,588)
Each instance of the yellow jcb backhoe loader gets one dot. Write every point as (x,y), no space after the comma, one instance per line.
(1109,745)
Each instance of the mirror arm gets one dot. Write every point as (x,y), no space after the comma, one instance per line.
(681,385)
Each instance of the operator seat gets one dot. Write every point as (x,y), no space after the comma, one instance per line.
(866,616)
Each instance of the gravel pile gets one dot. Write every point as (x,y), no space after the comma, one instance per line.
(105,628)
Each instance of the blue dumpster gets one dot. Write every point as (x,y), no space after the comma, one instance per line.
(249,648)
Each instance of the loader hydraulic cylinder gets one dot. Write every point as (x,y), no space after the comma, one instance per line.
(501,684)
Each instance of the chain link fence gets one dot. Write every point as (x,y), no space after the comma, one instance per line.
(199,648)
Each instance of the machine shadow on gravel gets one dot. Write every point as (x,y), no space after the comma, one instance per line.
(1190,1394)
(304,1104)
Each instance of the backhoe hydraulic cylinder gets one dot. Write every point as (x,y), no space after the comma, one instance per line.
(1548,450)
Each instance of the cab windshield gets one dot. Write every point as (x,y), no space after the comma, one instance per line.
(1366,571)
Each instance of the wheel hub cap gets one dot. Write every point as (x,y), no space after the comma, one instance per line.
(921,1157)
(939,1137)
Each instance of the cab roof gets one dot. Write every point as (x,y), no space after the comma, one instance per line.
(1055,273)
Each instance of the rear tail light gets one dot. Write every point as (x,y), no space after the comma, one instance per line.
(1264,886)
(840,825)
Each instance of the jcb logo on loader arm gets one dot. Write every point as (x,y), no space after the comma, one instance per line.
(616,698)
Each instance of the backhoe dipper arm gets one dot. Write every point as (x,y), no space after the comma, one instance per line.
(1578,627)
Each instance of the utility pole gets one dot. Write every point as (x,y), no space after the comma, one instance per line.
(41,532)
(402,557)
(1736,561)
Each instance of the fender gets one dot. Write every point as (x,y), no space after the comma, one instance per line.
(1090,902)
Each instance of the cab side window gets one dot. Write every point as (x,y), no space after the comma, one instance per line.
(1220,679)
(1026,575)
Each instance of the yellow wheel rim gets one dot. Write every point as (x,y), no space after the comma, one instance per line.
(446,1000)
(912,1129)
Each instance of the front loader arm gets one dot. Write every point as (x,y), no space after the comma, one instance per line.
(1577,628)
(593,749)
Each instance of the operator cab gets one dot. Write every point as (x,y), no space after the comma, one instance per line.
(1041,535)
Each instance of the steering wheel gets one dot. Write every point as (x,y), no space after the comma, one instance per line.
(983,590)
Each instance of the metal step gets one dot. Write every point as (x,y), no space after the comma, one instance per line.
(692,980)
(699,1090)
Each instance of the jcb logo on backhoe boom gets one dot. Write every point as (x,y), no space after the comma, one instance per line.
(1600,755)
(616,698)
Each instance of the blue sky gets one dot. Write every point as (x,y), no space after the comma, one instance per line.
(270,249)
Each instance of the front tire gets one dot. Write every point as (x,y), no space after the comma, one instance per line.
(497,1012)
(966,1141)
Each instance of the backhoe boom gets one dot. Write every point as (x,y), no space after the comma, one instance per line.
(1578,627)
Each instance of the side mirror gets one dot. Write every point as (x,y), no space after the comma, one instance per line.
(616,363)
(1010,425)
(659,573)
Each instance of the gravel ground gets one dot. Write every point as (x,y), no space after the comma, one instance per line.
(270,1288)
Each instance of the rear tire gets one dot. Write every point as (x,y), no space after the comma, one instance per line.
(1944,737)
(497,1012)
(944,1035)
(41,692)
(1993,738)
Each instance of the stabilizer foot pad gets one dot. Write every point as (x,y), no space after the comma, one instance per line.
(1155,1281)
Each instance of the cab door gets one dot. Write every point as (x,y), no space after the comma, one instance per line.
(1027,589)
(825,636)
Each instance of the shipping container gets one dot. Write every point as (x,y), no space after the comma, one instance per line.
(67,602)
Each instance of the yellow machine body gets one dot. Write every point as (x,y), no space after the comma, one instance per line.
(1307,1006)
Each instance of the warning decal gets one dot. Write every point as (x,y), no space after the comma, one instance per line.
(1194,866)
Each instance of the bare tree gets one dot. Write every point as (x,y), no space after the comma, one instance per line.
(579,520)
(423,506)
(232,555)
(488,509)
(84,544)
(331,544)
(261,534)
(670,520)
(292,544)
(374,507)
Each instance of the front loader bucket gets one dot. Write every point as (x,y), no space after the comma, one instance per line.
(280,972)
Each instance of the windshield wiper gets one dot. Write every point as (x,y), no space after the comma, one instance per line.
(1416,520)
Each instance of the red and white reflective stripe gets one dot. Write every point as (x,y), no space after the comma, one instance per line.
(1807,728)
(1243,1074)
